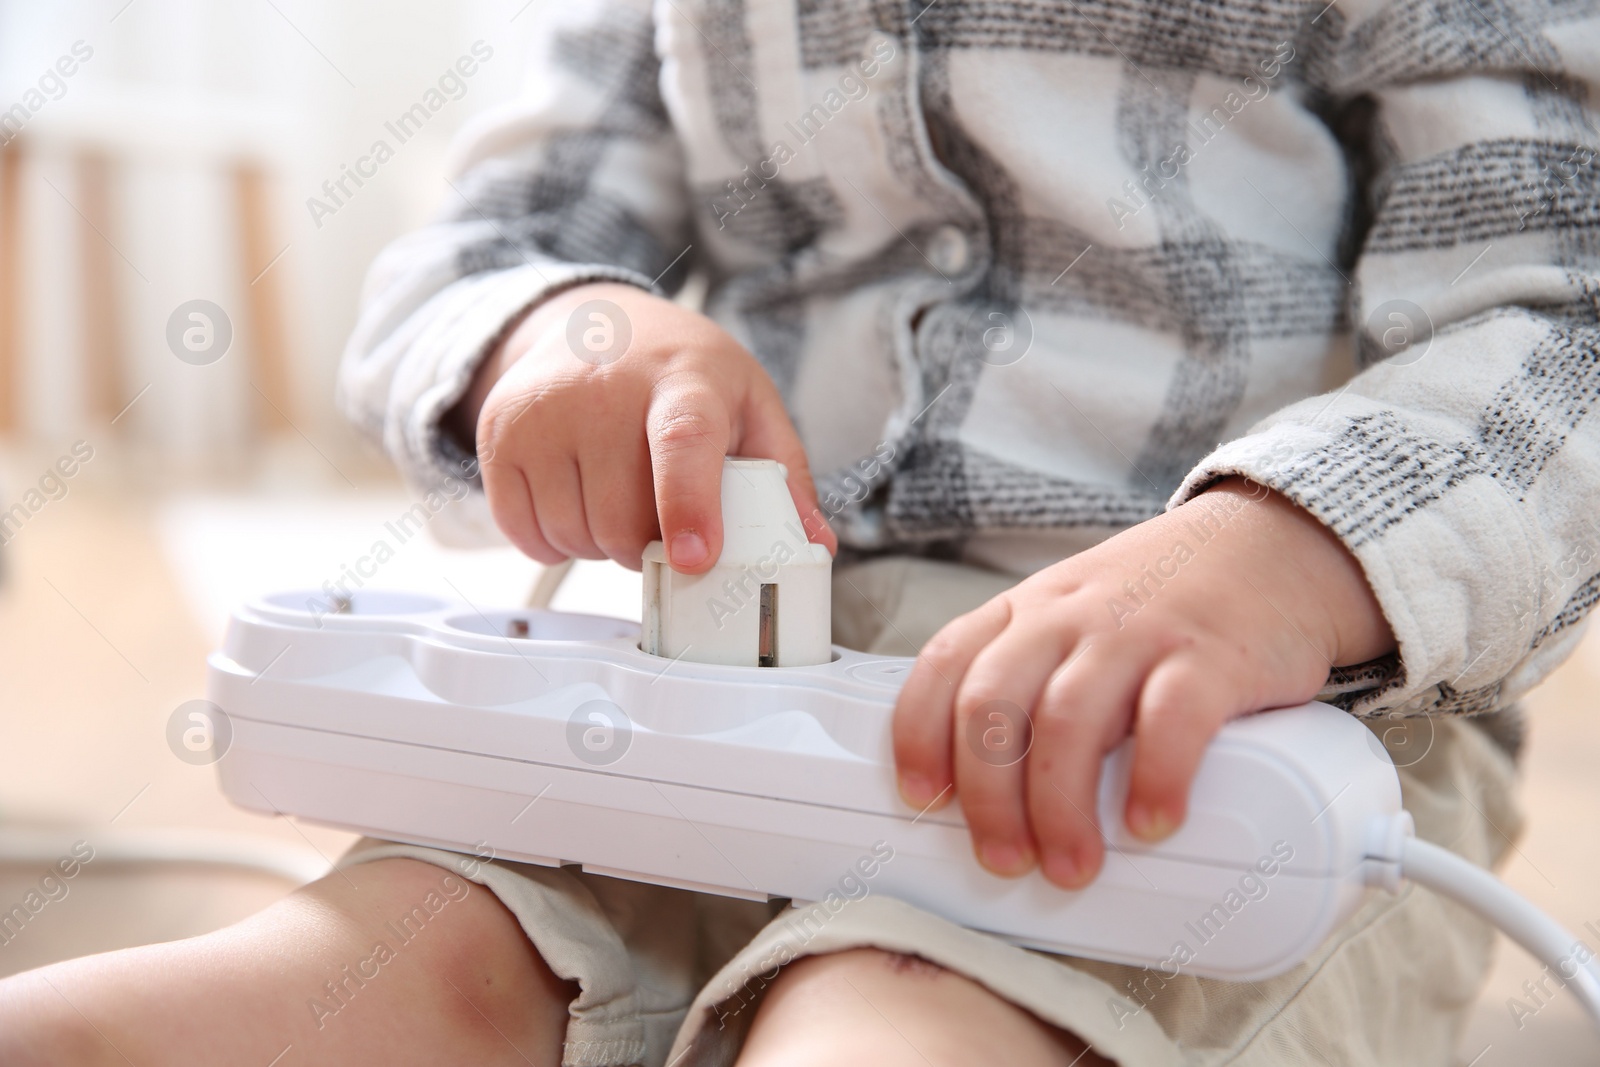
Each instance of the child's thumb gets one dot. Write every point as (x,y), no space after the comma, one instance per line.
(687,430)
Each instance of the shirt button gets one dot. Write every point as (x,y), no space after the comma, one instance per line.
(949,250)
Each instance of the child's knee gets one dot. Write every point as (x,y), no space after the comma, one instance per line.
(449,940)
(888,1008)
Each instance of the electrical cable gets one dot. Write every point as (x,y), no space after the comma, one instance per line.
(1467,884)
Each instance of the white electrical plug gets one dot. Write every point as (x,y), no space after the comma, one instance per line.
(767,600)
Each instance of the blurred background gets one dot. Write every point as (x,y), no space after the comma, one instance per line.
(159,159)
(168,159)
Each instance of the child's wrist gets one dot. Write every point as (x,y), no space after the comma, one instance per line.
(1322,568)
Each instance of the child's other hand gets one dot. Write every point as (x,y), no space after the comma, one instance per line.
(1163,632)
(602,426)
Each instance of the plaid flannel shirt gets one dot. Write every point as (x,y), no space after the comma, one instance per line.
(1028,271)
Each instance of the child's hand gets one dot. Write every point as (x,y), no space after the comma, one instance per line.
(1234,602)
(601,426)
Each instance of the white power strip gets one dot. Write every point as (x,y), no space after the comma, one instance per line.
(760,766)
(551,738)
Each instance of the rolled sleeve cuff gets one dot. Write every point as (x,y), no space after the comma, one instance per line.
(1443,545)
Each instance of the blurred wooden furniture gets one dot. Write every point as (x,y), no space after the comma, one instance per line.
(99,135)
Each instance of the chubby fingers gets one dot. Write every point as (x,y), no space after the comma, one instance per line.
(511,503)
(687,427)
(558,492)
(1083,713)
(995,737)
(617,500)
(924,714)
(1184,703)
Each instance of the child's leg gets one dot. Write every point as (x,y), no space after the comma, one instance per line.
(464,986)
(870,1006)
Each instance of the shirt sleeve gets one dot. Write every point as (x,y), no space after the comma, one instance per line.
(580,179)
(1461,464)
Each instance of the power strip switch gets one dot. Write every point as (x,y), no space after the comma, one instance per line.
(766,602)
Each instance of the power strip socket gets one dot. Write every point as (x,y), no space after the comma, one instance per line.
(553,739)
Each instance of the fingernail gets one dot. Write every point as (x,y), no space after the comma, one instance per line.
(1062,869)
(688,549)
(1004,858)
(917,790)
(1150,824)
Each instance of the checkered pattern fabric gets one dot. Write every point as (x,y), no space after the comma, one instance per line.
(1066,262)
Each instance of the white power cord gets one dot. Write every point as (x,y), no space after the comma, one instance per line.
(1467,884)
(548,583)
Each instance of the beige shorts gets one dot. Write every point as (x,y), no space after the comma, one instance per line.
(671,976)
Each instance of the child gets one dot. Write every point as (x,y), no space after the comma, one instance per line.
(1004,274)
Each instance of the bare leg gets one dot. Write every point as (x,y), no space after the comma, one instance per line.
(305,981)
(871,1007)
